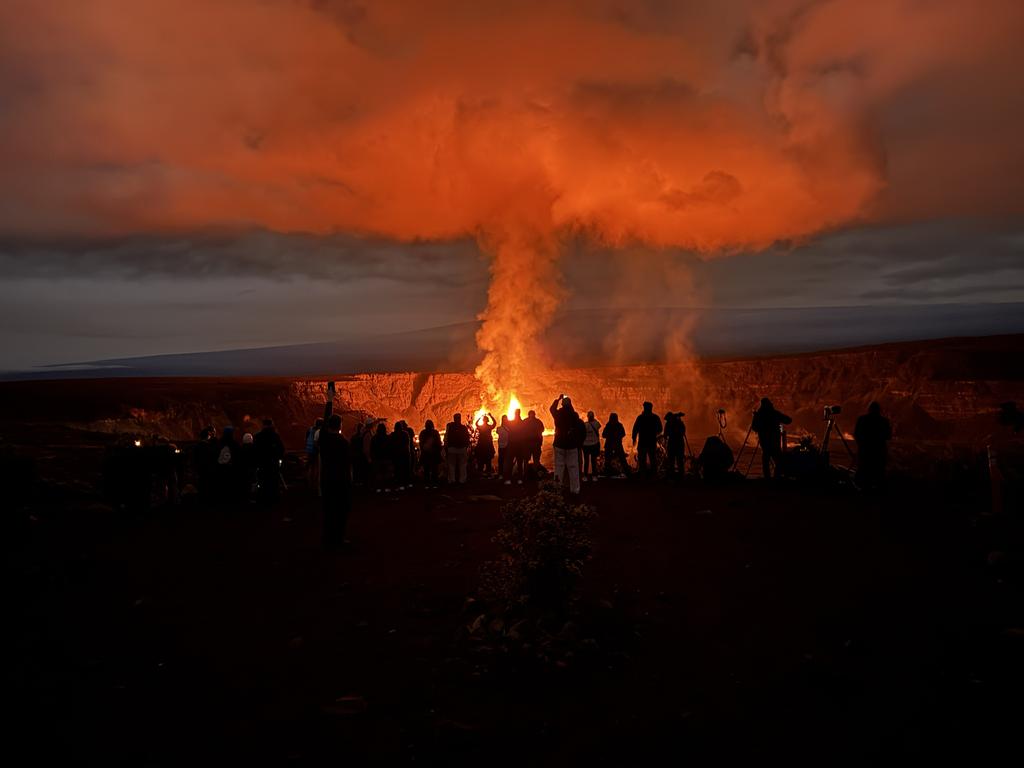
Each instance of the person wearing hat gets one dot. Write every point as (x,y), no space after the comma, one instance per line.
(226,470)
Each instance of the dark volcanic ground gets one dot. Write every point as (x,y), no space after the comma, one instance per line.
(745,619)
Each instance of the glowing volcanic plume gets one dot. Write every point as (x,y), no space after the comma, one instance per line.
(710,126)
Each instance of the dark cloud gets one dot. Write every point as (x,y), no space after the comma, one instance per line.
(936,261)
(270,255)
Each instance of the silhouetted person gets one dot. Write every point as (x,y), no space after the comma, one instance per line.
(401,455)
(485,444)
(380,459)
(369,432)
(675,445)
(568,438)
(504,439)
(312,461)
(411,472)
(335,481)
(456,444)
(518,449)
(204,458)
(534,429)
(614,454)
(226,473)
(248,466)
(646,429)
(591,446)
(430,454)
(767,425)
(360,464)
(872,433)
(269,454)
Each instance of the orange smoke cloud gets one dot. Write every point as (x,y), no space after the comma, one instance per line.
(706,126)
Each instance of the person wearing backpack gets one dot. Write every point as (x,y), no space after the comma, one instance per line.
(591,447)
(227,470)
(568,439)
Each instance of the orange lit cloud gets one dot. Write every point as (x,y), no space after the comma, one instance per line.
(712,126)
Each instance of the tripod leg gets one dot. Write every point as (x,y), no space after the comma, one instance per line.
(753,456)
(846,444)
(740,453)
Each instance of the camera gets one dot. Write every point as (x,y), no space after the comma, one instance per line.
(831,410)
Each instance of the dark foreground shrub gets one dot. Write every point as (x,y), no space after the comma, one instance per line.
(545,542)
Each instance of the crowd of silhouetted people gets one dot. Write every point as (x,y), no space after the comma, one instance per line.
(229,471)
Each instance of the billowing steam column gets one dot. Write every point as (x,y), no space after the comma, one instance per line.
(523,296)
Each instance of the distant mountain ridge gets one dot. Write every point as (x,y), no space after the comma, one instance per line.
(582,338)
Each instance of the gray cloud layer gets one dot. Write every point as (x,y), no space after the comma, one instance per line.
(263,254)
(68,301)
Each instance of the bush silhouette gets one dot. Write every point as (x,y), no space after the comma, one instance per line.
(545,543)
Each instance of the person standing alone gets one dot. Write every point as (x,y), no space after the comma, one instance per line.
(872,433)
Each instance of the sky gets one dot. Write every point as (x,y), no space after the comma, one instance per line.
(195,175)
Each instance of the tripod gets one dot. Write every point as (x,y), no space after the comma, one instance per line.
(746,438)
(831,425)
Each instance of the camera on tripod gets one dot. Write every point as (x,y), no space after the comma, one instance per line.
(830,411)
